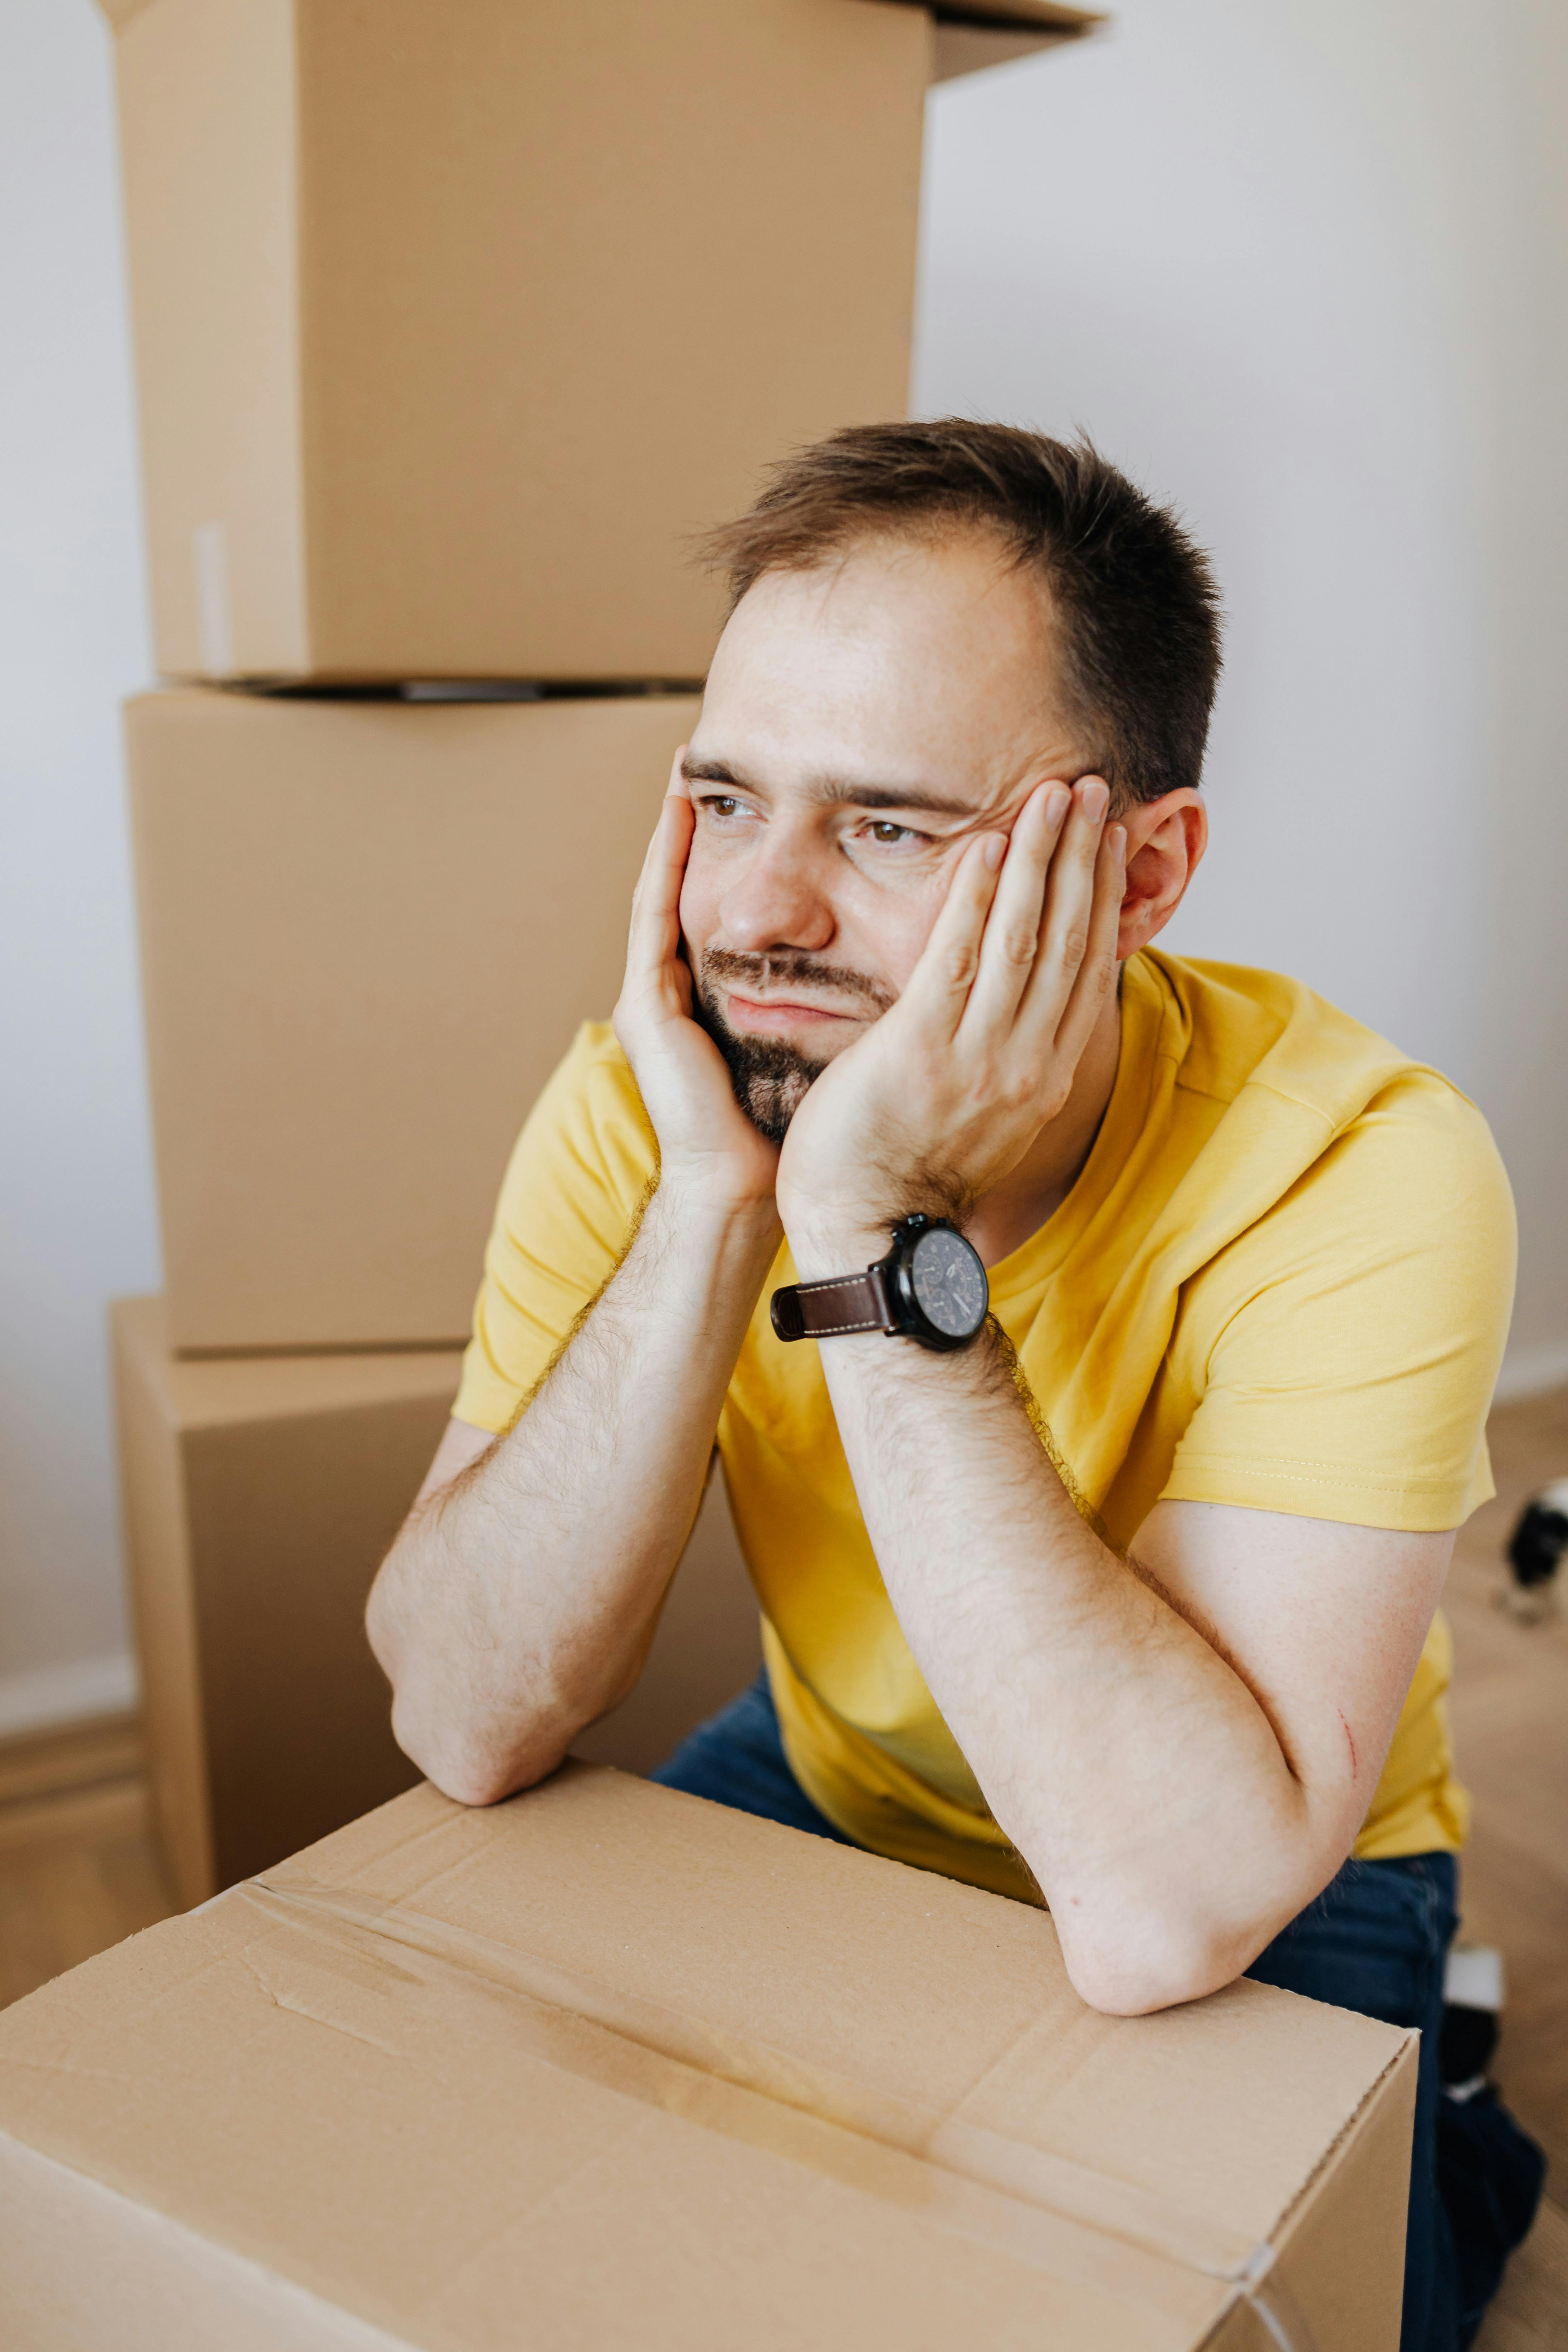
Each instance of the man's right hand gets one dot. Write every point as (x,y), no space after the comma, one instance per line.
(704,1136)
(520,1599)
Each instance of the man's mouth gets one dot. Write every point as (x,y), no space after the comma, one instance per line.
(774,1016)
(788,993)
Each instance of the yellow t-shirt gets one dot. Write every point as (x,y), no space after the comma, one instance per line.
(1282,1280)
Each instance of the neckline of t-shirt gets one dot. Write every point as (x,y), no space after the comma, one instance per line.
(1143,1017)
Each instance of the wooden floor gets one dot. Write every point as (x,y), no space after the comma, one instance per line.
(79,1870)
(1510,1730)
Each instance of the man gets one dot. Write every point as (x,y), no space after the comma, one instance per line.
(1120,1598)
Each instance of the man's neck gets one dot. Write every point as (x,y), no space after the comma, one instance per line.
(1006,1218)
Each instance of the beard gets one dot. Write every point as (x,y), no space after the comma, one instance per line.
(769,1078)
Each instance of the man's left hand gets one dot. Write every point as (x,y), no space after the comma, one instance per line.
(943,1096)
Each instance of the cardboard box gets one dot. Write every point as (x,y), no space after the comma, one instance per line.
(610,2066)
(454,325)
(259,1499)
(369,932)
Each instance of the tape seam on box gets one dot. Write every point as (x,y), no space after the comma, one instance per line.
(963,2176)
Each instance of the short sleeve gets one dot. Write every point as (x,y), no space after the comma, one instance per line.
(1350,1338)
(569,1204)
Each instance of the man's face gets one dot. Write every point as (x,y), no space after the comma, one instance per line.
(862,722)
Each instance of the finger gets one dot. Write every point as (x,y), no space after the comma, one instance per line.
(1070,906)
(655,930)
(1097,972)
(1012,941)
(938,988)
(664,857)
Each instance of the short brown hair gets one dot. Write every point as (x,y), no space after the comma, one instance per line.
(1134,596)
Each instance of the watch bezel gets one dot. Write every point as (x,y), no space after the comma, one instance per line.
(897,1270)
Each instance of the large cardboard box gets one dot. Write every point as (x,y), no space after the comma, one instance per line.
(609,2066)
(260,1499)
(369,931)
(454,322)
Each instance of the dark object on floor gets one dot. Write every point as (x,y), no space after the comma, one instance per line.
(1465,2044)
(1472,2013)
(1536,1547)
(1490,2170)
(1490,2176)
(1535,1551)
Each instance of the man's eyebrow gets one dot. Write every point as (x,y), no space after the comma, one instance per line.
(709,772)
(836,793)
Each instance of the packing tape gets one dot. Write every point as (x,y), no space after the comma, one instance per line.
(1037,2207)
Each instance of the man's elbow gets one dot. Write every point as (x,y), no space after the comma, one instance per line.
(1127,1984)
(1134,1964)
(1132,1949)
(469,1762)
(471,1779)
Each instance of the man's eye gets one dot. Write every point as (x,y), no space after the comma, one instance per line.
(722,804)
(890,835)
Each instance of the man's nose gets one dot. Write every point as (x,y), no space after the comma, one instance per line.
(781,900)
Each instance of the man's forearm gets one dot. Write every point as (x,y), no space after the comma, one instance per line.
(517,1604)
(1130,1764)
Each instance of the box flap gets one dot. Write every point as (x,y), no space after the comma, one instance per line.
(971,34)
(1007,15)
(682,2076)
(220,1391)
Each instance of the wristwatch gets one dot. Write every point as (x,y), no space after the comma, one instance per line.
(931,1287)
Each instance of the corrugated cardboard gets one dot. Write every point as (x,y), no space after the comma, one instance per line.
(454,324)
(260,1499)
(369,931)
(609,2066)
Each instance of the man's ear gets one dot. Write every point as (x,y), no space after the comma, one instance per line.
(1165,840)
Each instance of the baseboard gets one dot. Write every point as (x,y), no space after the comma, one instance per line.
(1532,1371)
(108,1808)
(73,1693)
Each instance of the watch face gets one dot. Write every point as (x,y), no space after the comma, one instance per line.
(949,1283)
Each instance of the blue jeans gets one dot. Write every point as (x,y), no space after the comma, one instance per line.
(1375,1940)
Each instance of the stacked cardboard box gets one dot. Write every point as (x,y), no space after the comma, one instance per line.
(454,325)
(370,930)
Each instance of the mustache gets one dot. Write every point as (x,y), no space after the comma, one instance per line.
(783,968)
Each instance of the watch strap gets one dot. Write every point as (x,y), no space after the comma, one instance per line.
(824,1310)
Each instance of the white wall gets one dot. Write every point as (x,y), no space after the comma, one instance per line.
(1299,267)
(76,1191)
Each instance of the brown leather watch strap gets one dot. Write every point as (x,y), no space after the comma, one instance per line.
(822,1310)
